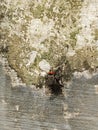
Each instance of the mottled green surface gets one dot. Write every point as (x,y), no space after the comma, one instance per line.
(50,28)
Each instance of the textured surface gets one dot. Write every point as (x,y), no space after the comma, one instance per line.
(37,34)
(54,31)
(23,108)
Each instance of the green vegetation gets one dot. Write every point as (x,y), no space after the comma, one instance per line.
(16,22)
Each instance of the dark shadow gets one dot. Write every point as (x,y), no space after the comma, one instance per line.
(56,89)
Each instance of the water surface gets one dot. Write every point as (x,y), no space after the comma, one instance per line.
(23,108)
